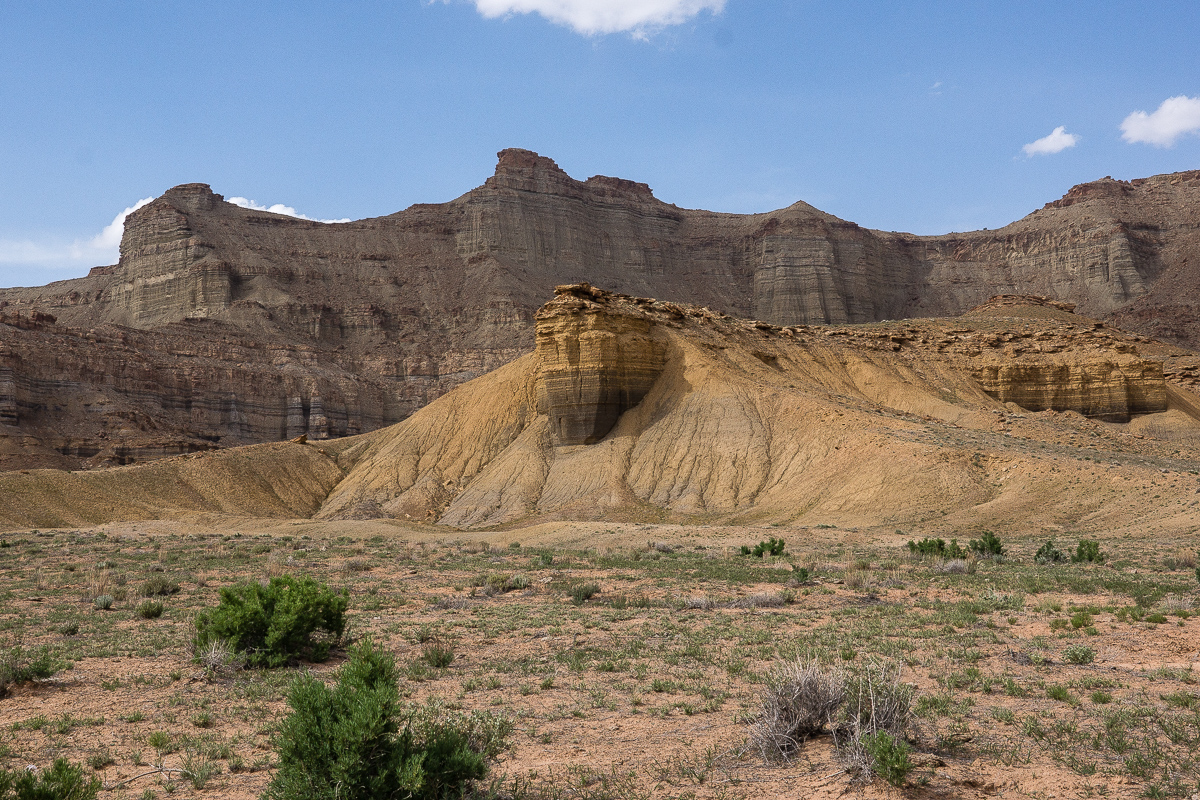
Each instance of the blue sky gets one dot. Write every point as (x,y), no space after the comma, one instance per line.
(923,116)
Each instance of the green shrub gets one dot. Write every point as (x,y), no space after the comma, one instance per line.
(1081,619)
(101,760)
(438,655)
(771,546)
(104,602)
(18,666)
(1060,693)
(584,592)
(346,742)
(63,781)
(287,619)
(1079,654)
(150,609)
(1049,554)
(158,585)
(937,548)
(889,755)
(1088,551)
(987,545)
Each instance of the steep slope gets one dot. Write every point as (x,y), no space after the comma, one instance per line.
(223,326)
(284,479)
(877,424)
(640,409)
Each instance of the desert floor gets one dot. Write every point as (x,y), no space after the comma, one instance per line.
(1028,680)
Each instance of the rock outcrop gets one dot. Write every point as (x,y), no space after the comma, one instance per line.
(745,417)
(593,366)
(681,413)
(252,326)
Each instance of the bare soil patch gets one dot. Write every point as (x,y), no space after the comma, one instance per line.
(1042,680)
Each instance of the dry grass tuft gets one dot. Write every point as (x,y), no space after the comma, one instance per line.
(859,579)
(219,659)
(800,700)
(99,583)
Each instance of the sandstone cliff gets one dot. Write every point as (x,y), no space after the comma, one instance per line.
(223,325)
(640,409)
(741,417)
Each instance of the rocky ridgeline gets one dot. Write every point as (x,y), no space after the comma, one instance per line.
(599,355)
(223,325)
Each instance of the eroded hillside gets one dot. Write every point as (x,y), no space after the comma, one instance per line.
(224,326)
(1017,413)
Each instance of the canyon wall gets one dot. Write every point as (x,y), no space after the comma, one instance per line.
(223,325)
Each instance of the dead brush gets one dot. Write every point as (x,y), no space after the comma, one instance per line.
(1181,559)
(856,578)
(800,700)
(99,583)
(876,702)
(277,565)
(352,565)
(219,659)
(699,603)
(1174,602)
(955,566)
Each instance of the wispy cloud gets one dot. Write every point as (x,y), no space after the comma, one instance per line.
(1174,118)
(110,237)
(591,17)
(278,208)
(103,248)
(1054,142)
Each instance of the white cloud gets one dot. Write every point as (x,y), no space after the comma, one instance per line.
(591,17)
(110,237)
(1175,117)
(1054,142)
(278,208)
(103,248)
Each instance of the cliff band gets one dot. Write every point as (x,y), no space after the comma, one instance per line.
(223,326)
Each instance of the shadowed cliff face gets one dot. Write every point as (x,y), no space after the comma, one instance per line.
(286,326)
(593,367)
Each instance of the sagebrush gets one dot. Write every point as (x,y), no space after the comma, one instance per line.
(288,619)
(62,781)
(346,742)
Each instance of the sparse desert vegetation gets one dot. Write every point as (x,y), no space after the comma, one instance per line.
(559,664)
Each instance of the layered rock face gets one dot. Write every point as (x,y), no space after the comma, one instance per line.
(1093,371)
(1110,389)
(633,408)
(593,366)
(724,417)
(116,395)
(305,327)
